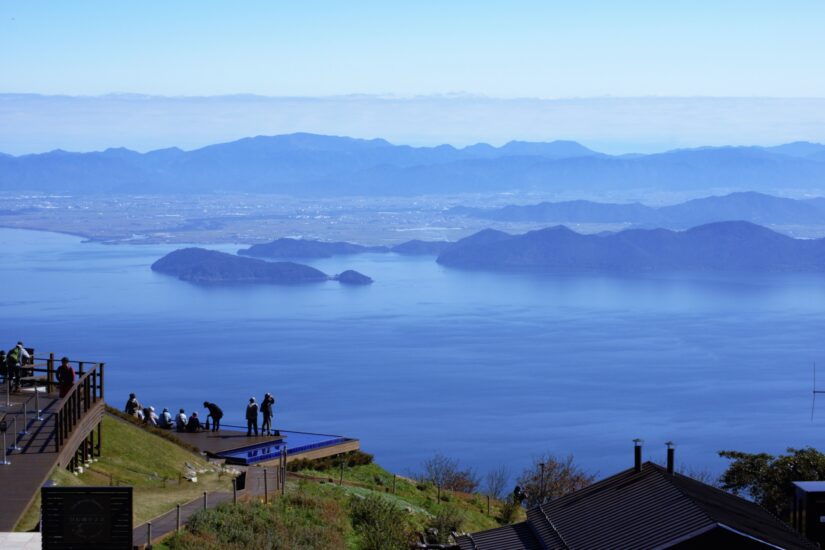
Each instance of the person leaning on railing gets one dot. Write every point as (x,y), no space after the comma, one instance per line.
(65,377)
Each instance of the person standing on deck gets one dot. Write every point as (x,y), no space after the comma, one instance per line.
(251,417)
(266,413)
(15,359)
(216,413)
(65,377)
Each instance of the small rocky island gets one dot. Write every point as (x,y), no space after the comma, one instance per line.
(208,267)
(352,277)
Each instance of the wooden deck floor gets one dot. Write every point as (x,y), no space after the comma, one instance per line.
(31,465)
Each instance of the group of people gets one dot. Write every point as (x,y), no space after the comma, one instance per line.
(193,423)
(13,368)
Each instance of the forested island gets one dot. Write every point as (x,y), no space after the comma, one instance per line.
(201,266)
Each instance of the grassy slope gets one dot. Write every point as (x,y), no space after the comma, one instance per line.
(152,465)
(367,479)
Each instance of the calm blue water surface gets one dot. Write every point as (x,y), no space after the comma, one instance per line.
(487,368)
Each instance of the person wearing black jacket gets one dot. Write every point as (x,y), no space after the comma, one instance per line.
(216,413)
(266,413)
(251,417)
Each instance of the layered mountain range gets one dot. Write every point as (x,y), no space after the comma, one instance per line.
(308,164)
(745,206)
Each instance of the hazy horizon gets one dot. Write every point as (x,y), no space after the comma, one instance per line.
(35,123)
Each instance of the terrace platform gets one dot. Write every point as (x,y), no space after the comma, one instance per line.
(67,433)
(236,448)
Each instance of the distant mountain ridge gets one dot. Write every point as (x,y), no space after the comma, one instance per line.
(308,164)
(745,206)
(724,246)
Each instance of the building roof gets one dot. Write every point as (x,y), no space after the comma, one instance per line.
(646,509)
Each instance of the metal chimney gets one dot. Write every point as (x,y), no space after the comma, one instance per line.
(670,456)
(637,454)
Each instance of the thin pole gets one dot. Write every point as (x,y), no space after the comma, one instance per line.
(39,416)
(149,533)
(283,481)
(266,489)
(204,500)
(234,491)
(24,431)
(49,373)
(5,459)
(177,518)
(488,505)
(341,476)
(15,446)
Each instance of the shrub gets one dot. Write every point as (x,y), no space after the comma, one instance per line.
(380,524)
(294,522)
(443,524)
(350,459)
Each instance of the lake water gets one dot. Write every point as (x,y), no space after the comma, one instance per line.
(487,368)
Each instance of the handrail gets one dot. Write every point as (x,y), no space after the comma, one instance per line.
(84,393)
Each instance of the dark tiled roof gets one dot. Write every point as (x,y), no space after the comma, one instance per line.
(648,509)
(510,537)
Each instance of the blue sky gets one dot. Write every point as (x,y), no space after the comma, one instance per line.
(507,49)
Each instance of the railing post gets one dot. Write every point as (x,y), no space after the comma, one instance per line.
(101,379)
(57,432)
(50,373)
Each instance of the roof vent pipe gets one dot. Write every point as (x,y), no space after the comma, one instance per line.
(637,454)
(670,456)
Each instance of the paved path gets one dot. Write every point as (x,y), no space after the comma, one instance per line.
(167,523)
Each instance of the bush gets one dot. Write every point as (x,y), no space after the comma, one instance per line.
(509,511)
(293,522)
(350,459)
(440,528)
(380,524)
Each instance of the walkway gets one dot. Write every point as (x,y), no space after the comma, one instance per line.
(167,523)
(36,446)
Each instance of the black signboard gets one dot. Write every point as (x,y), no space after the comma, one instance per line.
(86,518)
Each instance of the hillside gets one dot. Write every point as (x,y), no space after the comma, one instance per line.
(724,246)
(308,164)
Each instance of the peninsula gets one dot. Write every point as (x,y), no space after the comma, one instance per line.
(306,248)
(723,246)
